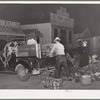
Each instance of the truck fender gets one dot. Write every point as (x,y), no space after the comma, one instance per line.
(25,64)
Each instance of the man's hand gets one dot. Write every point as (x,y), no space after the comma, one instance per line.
(50,55)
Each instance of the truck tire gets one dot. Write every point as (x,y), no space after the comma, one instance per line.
(22,74)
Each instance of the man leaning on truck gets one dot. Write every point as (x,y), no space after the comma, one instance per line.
(58,48)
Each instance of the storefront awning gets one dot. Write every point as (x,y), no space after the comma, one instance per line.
(11,30)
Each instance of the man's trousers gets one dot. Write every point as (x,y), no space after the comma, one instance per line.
(61,62)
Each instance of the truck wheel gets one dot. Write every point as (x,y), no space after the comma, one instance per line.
(22,74)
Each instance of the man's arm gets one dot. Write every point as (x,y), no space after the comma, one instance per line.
(53,49)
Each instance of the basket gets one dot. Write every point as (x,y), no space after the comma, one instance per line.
(86,79)
(52,83)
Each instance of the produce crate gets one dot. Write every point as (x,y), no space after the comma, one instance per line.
(52,83)
(29,51)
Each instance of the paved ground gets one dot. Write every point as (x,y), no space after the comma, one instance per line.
(9,81)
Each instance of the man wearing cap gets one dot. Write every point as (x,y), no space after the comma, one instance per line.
(58,48)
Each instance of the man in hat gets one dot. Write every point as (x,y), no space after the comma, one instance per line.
(58,48)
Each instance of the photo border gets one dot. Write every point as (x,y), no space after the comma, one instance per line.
(49,94)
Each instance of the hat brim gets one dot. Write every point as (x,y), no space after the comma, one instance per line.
(56,40)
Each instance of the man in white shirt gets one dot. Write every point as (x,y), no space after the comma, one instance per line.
(58,48)
(31,41)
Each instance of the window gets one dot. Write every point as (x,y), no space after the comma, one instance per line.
(55,32)
(70,37)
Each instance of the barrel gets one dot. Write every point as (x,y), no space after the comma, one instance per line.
(86,79)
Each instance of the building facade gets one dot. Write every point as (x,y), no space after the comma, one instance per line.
(60,25)
(9,31)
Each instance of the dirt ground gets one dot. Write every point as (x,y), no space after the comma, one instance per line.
(9,81)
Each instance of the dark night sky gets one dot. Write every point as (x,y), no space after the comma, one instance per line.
(84,15)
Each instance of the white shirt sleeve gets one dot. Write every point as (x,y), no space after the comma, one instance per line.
(53,49)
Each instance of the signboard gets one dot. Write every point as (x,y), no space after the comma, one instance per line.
(62,18)
(9,23)
(63,13)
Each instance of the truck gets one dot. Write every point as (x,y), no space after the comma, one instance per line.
(27,60)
